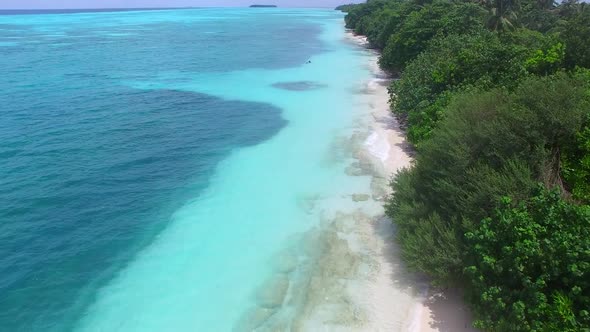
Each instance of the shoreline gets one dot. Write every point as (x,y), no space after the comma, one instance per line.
(345,273)
(389,152)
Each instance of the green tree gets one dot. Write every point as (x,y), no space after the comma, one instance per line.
(575,159)
(576,37)
(576,166)
(346,8)
(529,264)
(451,64)
(502,15)
(533,16)
(489,145)
(548,59)
(421,26)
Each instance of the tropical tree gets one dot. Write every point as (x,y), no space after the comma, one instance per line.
(502,15)
(576,36)
(546,4)
(529,265)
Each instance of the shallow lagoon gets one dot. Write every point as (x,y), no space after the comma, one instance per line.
(171,174)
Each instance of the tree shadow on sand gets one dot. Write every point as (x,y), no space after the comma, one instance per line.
(449,313)
(446,309)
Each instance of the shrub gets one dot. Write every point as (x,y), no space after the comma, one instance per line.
(529,266)
(420,26)
(451,64)
(489,145)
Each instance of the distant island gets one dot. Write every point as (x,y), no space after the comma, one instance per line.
(263,6)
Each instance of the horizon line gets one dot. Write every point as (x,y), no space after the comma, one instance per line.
(151,8)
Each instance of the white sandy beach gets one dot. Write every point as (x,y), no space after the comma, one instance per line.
(389,152)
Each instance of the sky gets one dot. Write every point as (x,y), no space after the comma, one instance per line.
(69,4)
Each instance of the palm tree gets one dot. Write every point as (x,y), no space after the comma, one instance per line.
(502,15)
(546,4)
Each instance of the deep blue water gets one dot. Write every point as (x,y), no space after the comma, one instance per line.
(74,11)
(92,169)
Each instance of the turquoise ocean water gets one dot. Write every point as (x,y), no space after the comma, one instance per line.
(154,162)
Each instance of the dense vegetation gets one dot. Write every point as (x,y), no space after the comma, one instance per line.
(496,98)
